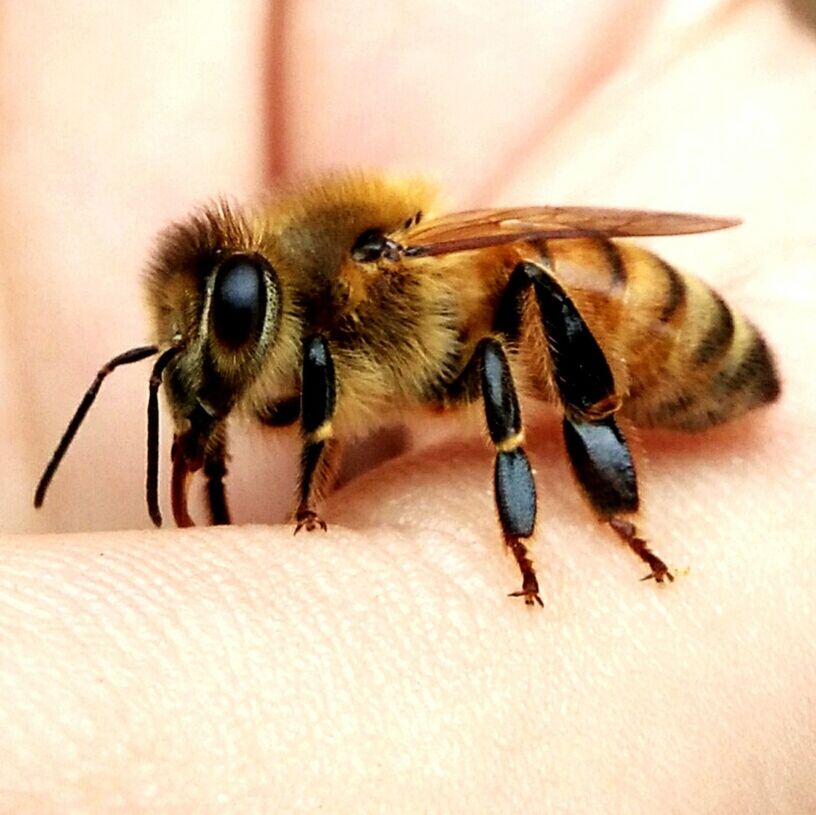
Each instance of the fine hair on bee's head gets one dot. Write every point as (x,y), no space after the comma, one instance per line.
(214,293)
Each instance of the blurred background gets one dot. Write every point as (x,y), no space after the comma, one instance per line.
(117,118)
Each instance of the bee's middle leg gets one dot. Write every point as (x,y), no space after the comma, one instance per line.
(513,484)
(319,457)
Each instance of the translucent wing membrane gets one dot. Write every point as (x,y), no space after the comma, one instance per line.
(479,228)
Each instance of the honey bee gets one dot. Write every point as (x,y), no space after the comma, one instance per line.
(341,305)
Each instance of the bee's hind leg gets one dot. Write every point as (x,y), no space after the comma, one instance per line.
(628,532)
(597,449)
(603,466)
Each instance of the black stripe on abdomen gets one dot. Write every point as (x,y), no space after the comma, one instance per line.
(717,339)
(675,293)
(755,371)
(617,268)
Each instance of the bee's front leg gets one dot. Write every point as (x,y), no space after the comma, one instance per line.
(320,449)
(202,446)
(215,469)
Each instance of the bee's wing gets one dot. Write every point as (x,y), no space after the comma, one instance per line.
(478,228)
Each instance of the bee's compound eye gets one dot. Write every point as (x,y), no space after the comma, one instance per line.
(238,301)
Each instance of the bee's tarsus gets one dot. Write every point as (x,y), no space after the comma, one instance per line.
(309,520)
(627,532)
(215,470)
(179,487)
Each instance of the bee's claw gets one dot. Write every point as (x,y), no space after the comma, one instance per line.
(310,520)
(659,575)
(627,532)
(531,597)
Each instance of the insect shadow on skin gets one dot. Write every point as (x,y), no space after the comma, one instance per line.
(340,305)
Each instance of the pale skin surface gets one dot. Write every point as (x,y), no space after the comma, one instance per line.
(380,667)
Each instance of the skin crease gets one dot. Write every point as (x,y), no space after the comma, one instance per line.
(380,667)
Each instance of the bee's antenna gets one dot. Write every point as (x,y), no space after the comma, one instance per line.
(152,487)
(134,355)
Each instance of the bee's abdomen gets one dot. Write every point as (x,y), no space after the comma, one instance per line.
(703,387)
(715,364)
(684,359)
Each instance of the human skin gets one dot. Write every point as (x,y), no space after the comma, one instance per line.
(380,666)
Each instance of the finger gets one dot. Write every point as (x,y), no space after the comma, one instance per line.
(245,663)
(471,88)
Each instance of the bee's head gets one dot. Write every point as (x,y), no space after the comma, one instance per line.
(215,295)
(216,298)
(216,306)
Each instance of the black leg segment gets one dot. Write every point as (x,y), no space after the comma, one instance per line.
(318,394)
(318,390)
(603,465)
(512,478)
(515,493)
(499,394)
(215,470)
(580,370)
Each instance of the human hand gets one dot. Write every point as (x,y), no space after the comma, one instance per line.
(381,667)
